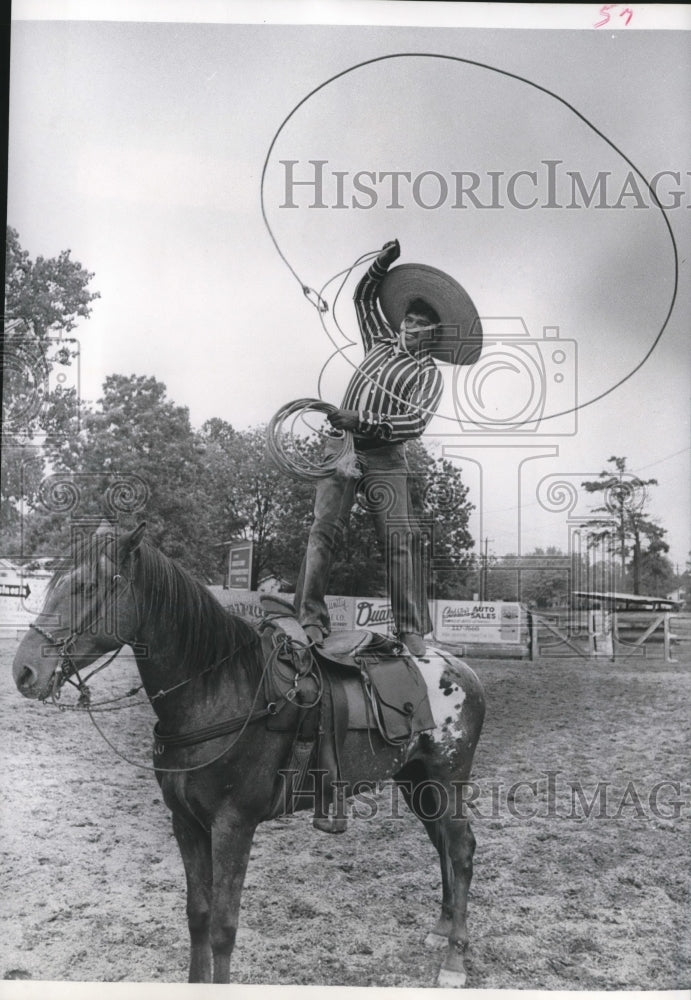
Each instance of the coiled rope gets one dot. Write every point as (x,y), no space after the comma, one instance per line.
(286,454)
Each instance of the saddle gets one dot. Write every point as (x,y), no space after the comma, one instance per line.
(395,695)
(358,680)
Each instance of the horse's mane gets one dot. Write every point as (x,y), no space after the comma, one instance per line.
(207,633)
(204,631)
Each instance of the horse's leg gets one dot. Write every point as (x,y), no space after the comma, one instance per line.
(231,840)
(195,847)
(460,847)
(438,937)
(455,844)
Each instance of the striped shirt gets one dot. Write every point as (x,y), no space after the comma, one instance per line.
(395,392)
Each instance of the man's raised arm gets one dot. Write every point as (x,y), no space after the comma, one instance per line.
(369,318)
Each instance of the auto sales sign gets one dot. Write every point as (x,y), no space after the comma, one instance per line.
(459,622)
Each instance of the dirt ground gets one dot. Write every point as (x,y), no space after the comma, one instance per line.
(93,887)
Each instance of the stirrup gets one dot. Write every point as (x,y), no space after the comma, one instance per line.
(336,821)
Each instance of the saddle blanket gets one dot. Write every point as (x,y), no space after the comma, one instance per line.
(443,688)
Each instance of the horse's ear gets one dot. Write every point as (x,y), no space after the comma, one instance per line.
(130,541)
(134,538)
(105,528)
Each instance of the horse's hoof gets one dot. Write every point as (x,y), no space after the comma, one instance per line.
(449,979)
(330,824)
(436,941)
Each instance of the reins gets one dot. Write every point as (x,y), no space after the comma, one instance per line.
(236,724)
(240,722)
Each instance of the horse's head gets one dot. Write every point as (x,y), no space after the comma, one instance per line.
(89,610)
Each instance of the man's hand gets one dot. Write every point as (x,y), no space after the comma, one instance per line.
(390,252)
(344,420)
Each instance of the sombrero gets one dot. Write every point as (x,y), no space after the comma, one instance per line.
(459,340)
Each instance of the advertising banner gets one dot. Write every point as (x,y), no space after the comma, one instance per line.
(246,604)
(471,621)
(455,622)
(341,613)
(373,613)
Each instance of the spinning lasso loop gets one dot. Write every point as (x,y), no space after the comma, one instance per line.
(320,303)
(297,464)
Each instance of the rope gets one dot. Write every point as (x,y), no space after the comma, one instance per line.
(321,305)
(243,722)
(298,464)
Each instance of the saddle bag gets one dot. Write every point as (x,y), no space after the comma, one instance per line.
(395,694)
(398,694)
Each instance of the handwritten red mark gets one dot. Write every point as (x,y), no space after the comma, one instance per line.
(626,13)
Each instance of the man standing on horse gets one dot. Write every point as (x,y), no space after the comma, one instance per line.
(407,317)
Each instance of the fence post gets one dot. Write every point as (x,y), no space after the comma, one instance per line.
(615,633)
(668,640)
(590,619)
(532,636)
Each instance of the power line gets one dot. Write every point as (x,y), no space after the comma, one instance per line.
(661,460)
(536,503)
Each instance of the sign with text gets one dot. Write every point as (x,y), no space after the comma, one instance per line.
(240,565)
(244,603)
(455,622)
(473,621)
(247,604)
(374,614)
(340,612)
(15,590)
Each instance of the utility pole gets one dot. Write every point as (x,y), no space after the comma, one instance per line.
(483,572)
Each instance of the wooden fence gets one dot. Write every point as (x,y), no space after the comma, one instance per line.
(614,635)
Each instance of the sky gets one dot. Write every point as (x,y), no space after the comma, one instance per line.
(149,149)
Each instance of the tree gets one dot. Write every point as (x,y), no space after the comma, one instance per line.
(251,499)
(135,457)
(255,500)
(200,490)
(267,506)
(545,577)
(48,295)
(440,503)
(626,527)
(440,499)
(657,574)
(540,578)
(685,584)
(502,578)
(44,300)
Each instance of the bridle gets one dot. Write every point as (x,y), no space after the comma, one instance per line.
(67,669)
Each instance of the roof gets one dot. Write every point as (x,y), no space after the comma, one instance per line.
(631,601)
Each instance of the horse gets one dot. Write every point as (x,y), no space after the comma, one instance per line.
(202,669)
